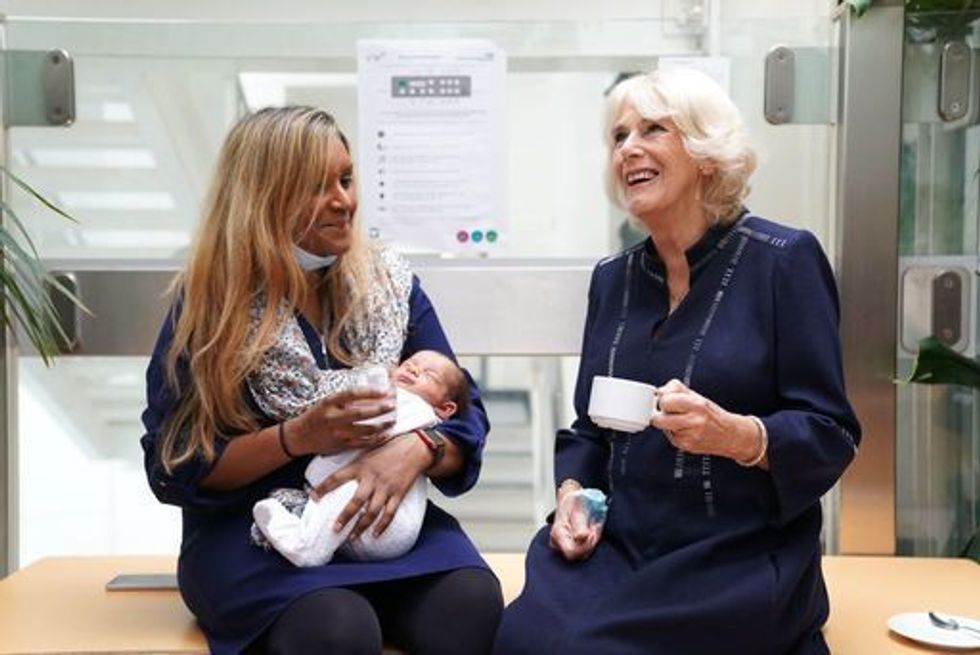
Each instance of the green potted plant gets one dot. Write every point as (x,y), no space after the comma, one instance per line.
(940,20)
(929,20)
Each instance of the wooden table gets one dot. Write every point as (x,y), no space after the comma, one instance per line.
(865,591)
(59,604)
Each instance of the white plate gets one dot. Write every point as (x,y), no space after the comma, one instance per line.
(918,627)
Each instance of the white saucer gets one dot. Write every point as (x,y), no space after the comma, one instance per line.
(918,627)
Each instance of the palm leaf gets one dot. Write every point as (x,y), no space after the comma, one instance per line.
(937,364)
(41,277)
(37,196)
(27,287)
(36,323)
(9,211)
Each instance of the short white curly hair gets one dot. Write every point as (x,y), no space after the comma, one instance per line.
(710,126)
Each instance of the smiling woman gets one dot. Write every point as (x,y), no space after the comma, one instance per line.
(329,231)
(655,175)
(711,542)
(280,265)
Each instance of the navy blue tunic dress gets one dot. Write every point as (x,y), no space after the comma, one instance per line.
(236,589)
(700,555)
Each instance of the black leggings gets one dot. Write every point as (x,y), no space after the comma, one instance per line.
(450,613)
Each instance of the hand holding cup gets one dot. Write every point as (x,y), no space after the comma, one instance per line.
(622,405)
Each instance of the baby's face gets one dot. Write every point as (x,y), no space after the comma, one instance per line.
(425,374)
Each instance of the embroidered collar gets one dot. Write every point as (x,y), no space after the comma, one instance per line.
(714,240)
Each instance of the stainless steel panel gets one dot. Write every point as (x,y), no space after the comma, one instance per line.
(933,83)
(797,86)
(39,88)
(127,310)
(500,308)
(936,299)
(869,137)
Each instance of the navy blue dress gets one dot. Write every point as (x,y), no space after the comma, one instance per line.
(701,555)
(236,589)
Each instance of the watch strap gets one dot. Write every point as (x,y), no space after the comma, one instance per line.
(435,442)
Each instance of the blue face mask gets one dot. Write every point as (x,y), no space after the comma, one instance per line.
(310,262)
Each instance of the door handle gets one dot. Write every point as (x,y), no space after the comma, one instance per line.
(947,308)
(955,65)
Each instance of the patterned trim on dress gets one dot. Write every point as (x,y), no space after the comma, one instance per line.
(625,253)
(764,237)
(287,379)
(623,445)
(706,484)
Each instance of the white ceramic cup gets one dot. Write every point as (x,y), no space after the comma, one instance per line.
(623,405)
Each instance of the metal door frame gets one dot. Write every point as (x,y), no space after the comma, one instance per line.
(868,151)
(8,385)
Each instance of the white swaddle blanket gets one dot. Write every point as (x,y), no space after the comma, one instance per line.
(310,540)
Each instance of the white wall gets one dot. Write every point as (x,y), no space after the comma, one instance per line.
(82,486)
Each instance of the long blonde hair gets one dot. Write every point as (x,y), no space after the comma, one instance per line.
(269,170)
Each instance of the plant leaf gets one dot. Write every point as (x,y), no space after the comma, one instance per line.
(37,196)
(9,211)
(859,6)
(937,364)
(36,322)
(26,286)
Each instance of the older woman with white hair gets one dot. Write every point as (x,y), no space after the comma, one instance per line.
(711,543)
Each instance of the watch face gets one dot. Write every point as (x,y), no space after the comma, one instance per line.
(437,438)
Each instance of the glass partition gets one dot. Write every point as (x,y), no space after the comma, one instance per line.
(938,448)
(155,99)
(81,466)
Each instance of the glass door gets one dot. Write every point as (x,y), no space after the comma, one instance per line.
(938,435)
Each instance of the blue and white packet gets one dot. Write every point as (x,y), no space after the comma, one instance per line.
(595,504)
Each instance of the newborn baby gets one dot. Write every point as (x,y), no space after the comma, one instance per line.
(430,388)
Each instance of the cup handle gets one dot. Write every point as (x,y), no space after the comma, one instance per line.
(656,406)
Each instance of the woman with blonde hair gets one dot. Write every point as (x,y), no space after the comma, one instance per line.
(710,539)
(280,261)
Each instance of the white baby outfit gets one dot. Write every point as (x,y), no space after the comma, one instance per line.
(309,539)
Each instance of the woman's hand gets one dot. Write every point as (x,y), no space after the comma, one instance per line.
(384,475)
(329,426)
(572,534)
(695,424)
(333,424)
